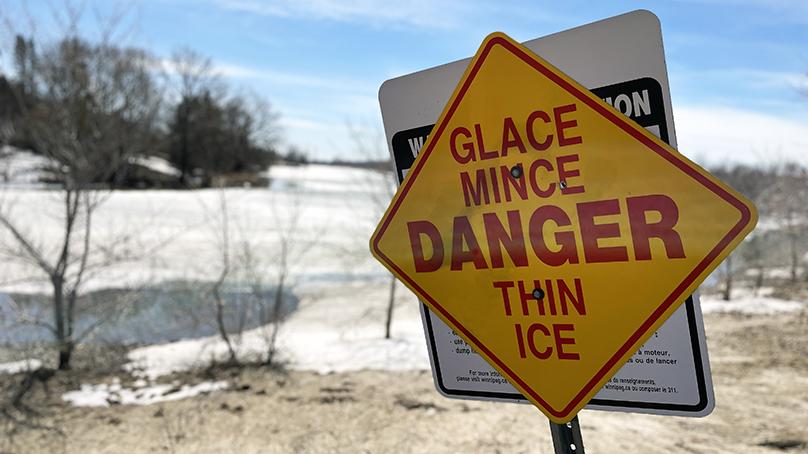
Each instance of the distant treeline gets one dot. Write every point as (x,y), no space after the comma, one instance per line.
(116,116)
(379,165)
(778,247)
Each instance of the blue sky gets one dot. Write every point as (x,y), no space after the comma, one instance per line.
(736,66)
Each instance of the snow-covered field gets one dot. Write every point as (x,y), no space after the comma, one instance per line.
(177,234)
(336,330)
(324,213)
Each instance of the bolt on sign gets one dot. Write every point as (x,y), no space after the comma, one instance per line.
(532,206)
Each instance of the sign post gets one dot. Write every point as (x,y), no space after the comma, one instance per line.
(531,205)
(567,438)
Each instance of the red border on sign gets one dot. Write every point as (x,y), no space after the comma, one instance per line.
(677,293)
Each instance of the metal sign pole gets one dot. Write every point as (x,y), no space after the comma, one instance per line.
(567,437)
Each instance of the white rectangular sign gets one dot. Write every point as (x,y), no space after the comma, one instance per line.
(621,60)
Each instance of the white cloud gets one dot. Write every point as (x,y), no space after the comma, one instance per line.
(301,124)
(291,79)
(712,135)
(781,11)
(233,70)
(418,13)
(765,78)
(755,79)
(708,134)
(237,71)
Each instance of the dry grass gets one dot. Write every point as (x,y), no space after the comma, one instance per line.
(760,371)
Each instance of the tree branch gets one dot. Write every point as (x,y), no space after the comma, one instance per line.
(27,245)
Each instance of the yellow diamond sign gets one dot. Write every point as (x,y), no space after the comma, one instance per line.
(550,232)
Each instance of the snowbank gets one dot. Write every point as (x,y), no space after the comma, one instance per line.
(104,395)
(337,331)
(753,305)
(329,179)
(20,366)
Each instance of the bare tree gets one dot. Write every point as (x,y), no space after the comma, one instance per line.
(380,186)
(195,73)
(194,77)
(226,269)
(785,202)
(259,272)
(753,182)
(88,108)
(753,252)
(277,270)
(727,273)
(212,132)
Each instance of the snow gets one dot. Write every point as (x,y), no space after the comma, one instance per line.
(20,168)
(20,366)
(752,305)
(330,335)
(155,361)
(331,212)
(343,291)
(156,164)
(333,331)
(23,168)
(782,272)
(104,395)
(337,332)
(322,178)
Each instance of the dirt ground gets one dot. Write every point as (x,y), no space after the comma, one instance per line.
(759,365)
